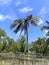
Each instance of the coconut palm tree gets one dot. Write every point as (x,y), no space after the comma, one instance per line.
(23,25)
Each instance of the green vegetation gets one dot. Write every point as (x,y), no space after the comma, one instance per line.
(8,44)
(40,47)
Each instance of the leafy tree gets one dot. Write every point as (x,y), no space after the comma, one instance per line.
(10,44)
(16,47)
(4,44)
(22,44)
(1,45)
(39,46)
(47,47)
(2,33)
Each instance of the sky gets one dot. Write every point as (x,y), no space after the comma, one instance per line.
(11,10)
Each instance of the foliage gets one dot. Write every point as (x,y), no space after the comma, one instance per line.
(8,44)
(2,33)
(40,47)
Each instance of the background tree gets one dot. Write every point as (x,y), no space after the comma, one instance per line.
(39,46)
(22,44)
(2,36)
(2,33)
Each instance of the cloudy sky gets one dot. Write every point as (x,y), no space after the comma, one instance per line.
(14,9)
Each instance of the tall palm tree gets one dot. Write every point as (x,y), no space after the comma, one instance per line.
(23,25)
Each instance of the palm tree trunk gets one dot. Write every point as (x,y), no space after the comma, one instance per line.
(27,41)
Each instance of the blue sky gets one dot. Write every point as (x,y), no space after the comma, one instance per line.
(14,9)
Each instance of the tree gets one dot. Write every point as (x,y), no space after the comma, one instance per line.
(4,44)
(39,46)
(10,44)
(16,47)
(2,33)
(1,45)
(2,36)
(23,25)
(22,44)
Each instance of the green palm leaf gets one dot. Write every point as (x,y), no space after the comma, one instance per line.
(18,28)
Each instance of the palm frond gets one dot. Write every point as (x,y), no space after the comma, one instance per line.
(47,22)
(20,20)
(29,17)
(21,32)
(13,25)
(18,28)
(38,19)
(16,22)
(45,27)
(33,21)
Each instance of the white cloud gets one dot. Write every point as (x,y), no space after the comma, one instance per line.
(4,17)
(46,31)
(25,9)
(5,2)
(18,3)
(9,17)
(40,21)
(43,11)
